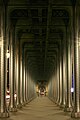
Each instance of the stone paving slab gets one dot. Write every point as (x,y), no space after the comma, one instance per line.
(40,108)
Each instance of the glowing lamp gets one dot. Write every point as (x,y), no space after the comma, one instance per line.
(7,54)
(72,89)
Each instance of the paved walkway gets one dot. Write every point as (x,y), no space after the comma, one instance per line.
(40,108)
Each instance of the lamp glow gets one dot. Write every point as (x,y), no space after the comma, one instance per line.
(72,89)
(8,54)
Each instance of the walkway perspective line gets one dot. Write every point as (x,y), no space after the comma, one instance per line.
(40,108)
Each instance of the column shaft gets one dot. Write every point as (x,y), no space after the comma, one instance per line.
(3,64)
(64,74)
(12,72)
(69,73)
(17,70)
(61,80)
(76,68)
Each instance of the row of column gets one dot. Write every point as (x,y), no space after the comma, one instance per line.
(21,85)
(69,70)
(59,87)
(21,80)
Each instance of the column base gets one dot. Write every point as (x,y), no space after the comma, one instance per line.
(67,109)
(75,114)
(61,105)
(24,103)
(4,115)
(13,109)
(29,100)
(58,102)
(19,106)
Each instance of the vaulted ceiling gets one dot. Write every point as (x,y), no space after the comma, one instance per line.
(41,27)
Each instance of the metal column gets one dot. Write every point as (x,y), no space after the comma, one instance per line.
(76,68)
